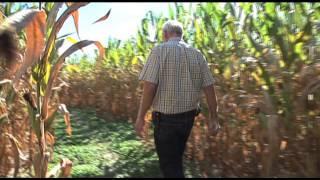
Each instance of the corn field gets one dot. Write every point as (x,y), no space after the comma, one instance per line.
(265,58)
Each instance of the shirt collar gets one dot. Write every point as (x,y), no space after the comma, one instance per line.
(175,39)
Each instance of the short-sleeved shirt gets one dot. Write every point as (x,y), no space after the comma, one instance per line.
(180,73)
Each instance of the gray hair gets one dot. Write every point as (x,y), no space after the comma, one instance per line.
(173,26)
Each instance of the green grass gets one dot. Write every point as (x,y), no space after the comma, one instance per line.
(100,148)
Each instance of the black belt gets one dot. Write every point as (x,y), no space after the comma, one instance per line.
(159,115)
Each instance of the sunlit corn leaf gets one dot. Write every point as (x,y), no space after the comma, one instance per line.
(51,43)
(134,60)
(171,12)
(103,18)
(2,16)
(227,72)
(73,41)
(53,14)
(57,26)
(8,8)
(57,67)
(72,68)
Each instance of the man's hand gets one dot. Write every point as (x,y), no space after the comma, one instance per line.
(139,126)
(214,125)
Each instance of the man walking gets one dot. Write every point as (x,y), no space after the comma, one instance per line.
(174,76)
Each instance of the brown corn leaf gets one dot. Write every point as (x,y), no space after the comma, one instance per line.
(67,121)
(18,154)
(8,48)
(62,169)
(66,167)
(75,16)
(68,124)
(19,20)
(8,41)
(17,144)
(101,50)
(73,41)
(57,26)
(49,121)
(60,86)
(103,17)
(50,140)
(40,164)
(2,149)
(30,100)
(37,164)
(35,33)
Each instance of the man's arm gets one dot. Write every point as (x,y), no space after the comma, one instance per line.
(211,100)
(150,76)
(213,109)
(209,91)
(149,91)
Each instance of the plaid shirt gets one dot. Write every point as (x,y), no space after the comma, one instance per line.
(180,72)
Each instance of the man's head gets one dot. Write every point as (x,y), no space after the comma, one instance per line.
(172,29)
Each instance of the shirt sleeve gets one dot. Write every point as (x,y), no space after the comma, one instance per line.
(207,78)
(150,71)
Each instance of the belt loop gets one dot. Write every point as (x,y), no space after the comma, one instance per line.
(158,119)
(157,115)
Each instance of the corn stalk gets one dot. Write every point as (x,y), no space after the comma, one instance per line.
(41,31)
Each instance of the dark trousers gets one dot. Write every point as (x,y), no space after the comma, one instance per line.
(170,135)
